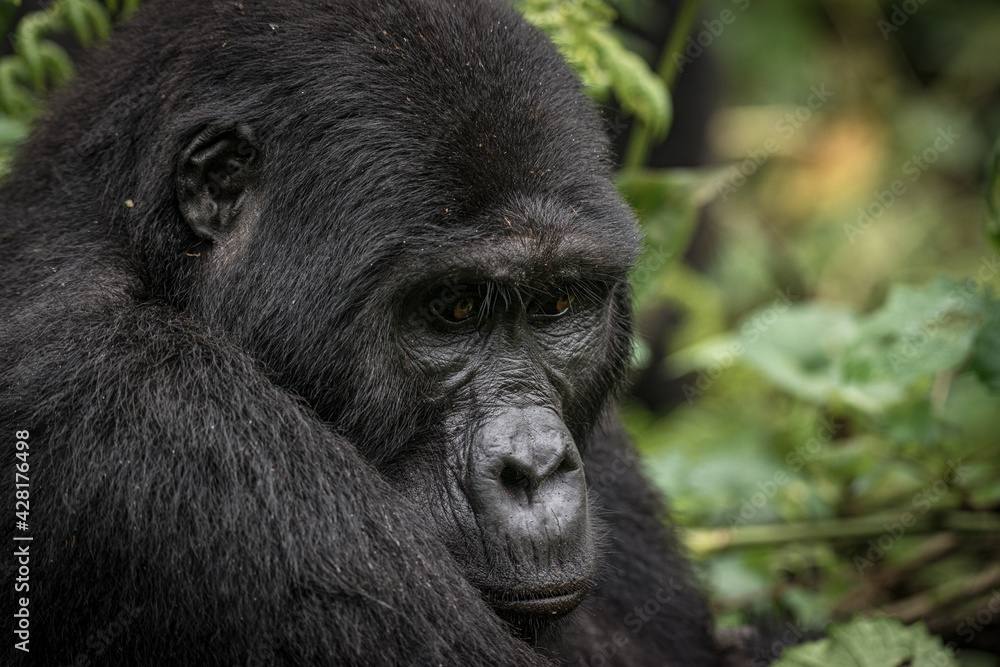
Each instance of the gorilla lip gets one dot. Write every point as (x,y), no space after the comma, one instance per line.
(539,602)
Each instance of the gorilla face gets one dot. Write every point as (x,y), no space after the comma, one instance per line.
(459,306)
(506,349)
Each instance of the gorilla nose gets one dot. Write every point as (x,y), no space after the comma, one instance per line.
(534,456)
(526,471)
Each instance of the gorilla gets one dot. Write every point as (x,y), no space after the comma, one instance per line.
(314,314)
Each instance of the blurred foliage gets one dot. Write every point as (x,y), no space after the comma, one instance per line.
(864,366)
(39,63)
(871,643)
(583,31)
(835,449)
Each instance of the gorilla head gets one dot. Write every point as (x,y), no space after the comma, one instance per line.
(415,229)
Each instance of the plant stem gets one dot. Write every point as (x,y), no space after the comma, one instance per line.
(640,141)
(704,541)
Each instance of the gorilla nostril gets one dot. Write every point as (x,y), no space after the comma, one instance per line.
(526,455)
(522,479)
(568,464)
(516,479)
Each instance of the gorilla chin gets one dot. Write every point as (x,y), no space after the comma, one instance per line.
(556,597)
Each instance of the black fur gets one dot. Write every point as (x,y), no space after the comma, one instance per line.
(241,446)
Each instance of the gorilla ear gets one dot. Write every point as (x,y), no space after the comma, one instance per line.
(214,173)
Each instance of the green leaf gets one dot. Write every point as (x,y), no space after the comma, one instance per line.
(26,45)
(38,62)
(97,17)
(129,8)
(56,61)
(14,99)
(917,333)
(582,29)
(879,642)
(830,357)
(77,19)
(798,347)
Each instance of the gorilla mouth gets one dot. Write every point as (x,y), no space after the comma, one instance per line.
(540,602)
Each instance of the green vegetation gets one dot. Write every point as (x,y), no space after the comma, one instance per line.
(39,63)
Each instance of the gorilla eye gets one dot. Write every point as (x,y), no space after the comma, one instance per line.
(552,306)
(457,309)
(463,308)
